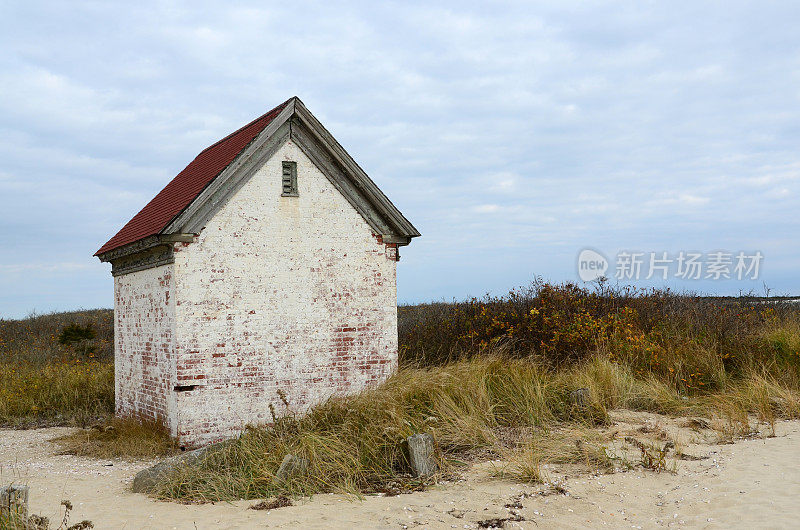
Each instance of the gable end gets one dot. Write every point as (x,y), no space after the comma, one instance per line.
(295,122)
(401,228)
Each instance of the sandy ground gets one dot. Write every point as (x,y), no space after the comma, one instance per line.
(753,483)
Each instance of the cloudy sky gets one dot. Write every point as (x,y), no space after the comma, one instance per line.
(512,135)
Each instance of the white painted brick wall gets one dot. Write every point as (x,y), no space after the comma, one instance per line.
(279,293)
(144,320)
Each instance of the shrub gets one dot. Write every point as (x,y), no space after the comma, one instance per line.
(35,339)
(693,343)
(75,333)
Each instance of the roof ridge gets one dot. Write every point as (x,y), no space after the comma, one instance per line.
(180,192)
(196,176)
(240,129)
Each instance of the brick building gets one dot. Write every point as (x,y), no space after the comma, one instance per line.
(267,265)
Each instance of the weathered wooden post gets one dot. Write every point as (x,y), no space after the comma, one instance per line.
(14,500)
(421,454)
(291,466)
(580,398)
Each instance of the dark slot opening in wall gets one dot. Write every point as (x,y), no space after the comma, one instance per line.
(185,388)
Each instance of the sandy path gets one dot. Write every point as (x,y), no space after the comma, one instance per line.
(750,484)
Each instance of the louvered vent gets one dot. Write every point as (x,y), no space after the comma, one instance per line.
(289,180)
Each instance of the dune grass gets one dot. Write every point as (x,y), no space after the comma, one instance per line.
(128,438)
(571,444)
(503,407)
(355,443)
(489,378)
(57,369)
(55,393)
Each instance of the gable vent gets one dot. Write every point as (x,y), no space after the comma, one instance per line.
(289,180)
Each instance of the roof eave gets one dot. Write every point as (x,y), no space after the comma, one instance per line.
(143,244)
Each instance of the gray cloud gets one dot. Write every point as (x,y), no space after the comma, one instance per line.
(511,134)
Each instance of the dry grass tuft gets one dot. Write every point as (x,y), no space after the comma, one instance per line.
(12,520)
(523,465)
(572,445)
(130,438)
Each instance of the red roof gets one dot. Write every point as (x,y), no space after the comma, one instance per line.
(189,183)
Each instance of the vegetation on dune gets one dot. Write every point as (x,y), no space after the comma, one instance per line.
(355,443)
(489,406)
(86,335)
(129,438)
(495,375)
(57,369)
(55,393)
(491,377)
(680,338)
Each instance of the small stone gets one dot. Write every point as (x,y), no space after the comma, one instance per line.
(146,480)
(421,454)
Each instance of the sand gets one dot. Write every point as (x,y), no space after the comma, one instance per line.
(753,483)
